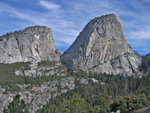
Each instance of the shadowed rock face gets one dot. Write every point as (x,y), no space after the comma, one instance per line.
(145,67)
(32,44)
(102,47)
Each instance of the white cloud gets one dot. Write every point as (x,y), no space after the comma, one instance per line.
(36,19)
(49,5)
(59,44)
(141,34)
(62,28)
(67,21)
(147,1)
(6,8)
(66,40)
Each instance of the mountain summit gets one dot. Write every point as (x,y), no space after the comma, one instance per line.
(31,44)
(101,47)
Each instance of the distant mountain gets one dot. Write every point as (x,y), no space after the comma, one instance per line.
(102,48)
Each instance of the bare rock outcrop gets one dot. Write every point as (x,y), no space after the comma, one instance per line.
(31,44)
(102,48)
(38,96)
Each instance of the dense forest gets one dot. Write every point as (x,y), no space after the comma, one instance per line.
(110,93)
(10,81)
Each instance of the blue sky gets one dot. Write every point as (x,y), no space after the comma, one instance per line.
(67,18)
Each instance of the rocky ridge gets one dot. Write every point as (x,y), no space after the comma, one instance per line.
(102,48)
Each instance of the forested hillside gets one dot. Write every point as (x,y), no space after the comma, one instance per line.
(109,94)
(101,94)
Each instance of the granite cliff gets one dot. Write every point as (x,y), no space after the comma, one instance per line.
(33,51)
(32,44)
(102,48)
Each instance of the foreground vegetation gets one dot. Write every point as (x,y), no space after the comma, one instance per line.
(110,94)
(10,81)
(17,106)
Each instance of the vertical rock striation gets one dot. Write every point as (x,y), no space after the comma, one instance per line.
(102,48)
(32,44)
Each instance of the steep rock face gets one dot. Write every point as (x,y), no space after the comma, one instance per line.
(102,47)
(32,44)
(145,67)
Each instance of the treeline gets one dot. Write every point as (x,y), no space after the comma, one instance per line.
(17,106)
(7,35)
(111,93)
(10,81)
